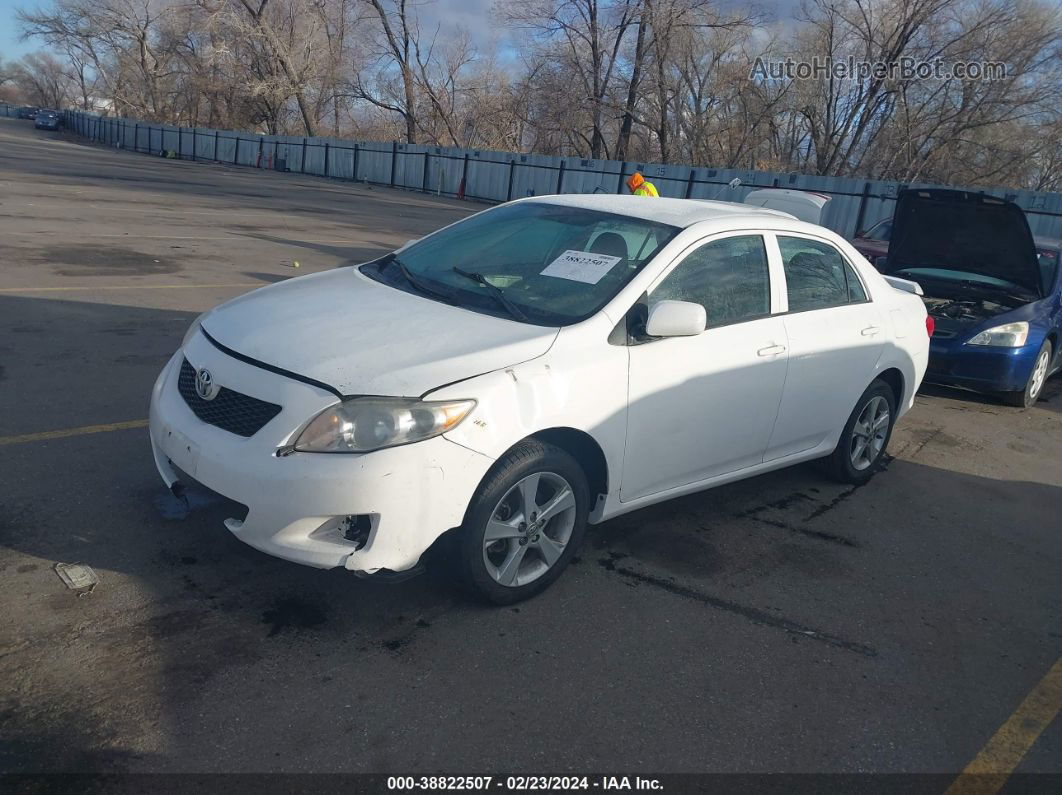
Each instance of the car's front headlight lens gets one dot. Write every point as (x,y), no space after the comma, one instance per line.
(1009,335)
(361,425)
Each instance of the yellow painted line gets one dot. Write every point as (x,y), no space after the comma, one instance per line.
(991,768)
(127,287)
(63,434)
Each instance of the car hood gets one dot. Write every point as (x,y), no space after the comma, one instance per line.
(963,231)
(361,337)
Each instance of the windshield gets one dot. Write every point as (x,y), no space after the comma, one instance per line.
(542,263)
(962,278)
(1048,260)
(882,230)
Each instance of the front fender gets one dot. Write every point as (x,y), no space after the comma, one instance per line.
(581,384)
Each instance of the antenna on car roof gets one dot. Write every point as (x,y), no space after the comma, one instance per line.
(732,184)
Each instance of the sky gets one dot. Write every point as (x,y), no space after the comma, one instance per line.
(10,47)
(471,15)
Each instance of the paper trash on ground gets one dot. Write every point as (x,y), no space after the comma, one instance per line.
(77,576)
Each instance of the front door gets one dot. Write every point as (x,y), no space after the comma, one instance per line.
(704,405)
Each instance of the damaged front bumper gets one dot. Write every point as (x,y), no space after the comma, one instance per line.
(311,508)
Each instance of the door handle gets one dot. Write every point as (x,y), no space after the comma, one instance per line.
(870,331)
(771,350)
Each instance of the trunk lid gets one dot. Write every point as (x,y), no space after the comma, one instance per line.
(801,204)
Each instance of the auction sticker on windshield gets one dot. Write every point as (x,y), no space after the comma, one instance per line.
(581,266)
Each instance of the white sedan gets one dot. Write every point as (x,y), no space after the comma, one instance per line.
(542,365)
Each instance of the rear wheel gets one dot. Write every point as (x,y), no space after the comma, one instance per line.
(1035,385)
(860,450)
(523,524)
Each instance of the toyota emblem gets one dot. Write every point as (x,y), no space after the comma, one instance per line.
(205,386)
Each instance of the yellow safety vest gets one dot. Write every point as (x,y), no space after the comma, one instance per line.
(646,189)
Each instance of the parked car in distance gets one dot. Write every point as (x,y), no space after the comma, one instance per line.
(27,113)
(873,243)
(46,120)
(801,204)
(543,364)
(994,292)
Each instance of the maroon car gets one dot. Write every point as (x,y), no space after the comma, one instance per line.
(874,242)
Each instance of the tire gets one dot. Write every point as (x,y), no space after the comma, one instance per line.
(850,464)
(522,558)
(1034,387)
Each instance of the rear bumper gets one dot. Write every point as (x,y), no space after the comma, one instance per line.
(296,503)
(982,368)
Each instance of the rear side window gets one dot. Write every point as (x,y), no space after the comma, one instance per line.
(880,231)
(856,292)
(728,277)
(817,276)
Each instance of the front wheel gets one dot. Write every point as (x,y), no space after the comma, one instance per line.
(524,523)
(1035,385)
(859,451)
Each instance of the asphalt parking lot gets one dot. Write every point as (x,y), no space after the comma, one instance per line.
(784,623)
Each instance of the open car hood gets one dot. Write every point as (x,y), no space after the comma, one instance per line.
(962,231)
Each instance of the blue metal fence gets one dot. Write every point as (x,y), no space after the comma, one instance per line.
(501,176)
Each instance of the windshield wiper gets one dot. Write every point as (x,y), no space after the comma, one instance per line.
(495,292)
(418,283)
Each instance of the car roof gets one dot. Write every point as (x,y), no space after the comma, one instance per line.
(674,212)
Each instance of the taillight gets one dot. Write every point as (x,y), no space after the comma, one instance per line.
(931,325)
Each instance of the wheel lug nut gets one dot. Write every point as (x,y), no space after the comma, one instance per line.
(522,527)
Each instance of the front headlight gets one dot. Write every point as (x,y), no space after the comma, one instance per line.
(361,425)
(1009,335)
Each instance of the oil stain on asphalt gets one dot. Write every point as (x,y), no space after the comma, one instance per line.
(106,261)
(293,613)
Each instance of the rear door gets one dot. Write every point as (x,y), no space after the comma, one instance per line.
(836,335)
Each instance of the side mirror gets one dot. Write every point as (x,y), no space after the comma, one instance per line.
(676,319)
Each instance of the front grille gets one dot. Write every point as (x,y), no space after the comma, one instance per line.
(231,411)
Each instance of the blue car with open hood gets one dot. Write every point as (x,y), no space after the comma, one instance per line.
(995,299)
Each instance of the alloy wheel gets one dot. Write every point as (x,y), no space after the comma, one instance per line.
(529,529)
(869,432)
(1039,375)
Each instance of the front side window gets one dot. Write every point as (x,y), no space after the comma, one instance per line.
(728,277)
(542,263)
(817,276)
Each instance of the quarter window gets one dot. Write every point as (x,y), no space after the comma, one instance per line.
(817,276)
(728,277)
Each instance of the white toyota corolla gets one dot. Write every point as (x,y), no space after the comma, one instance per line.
(537,366)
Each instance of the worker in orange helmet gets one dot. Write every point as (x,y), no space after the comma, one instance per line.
(639,187)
